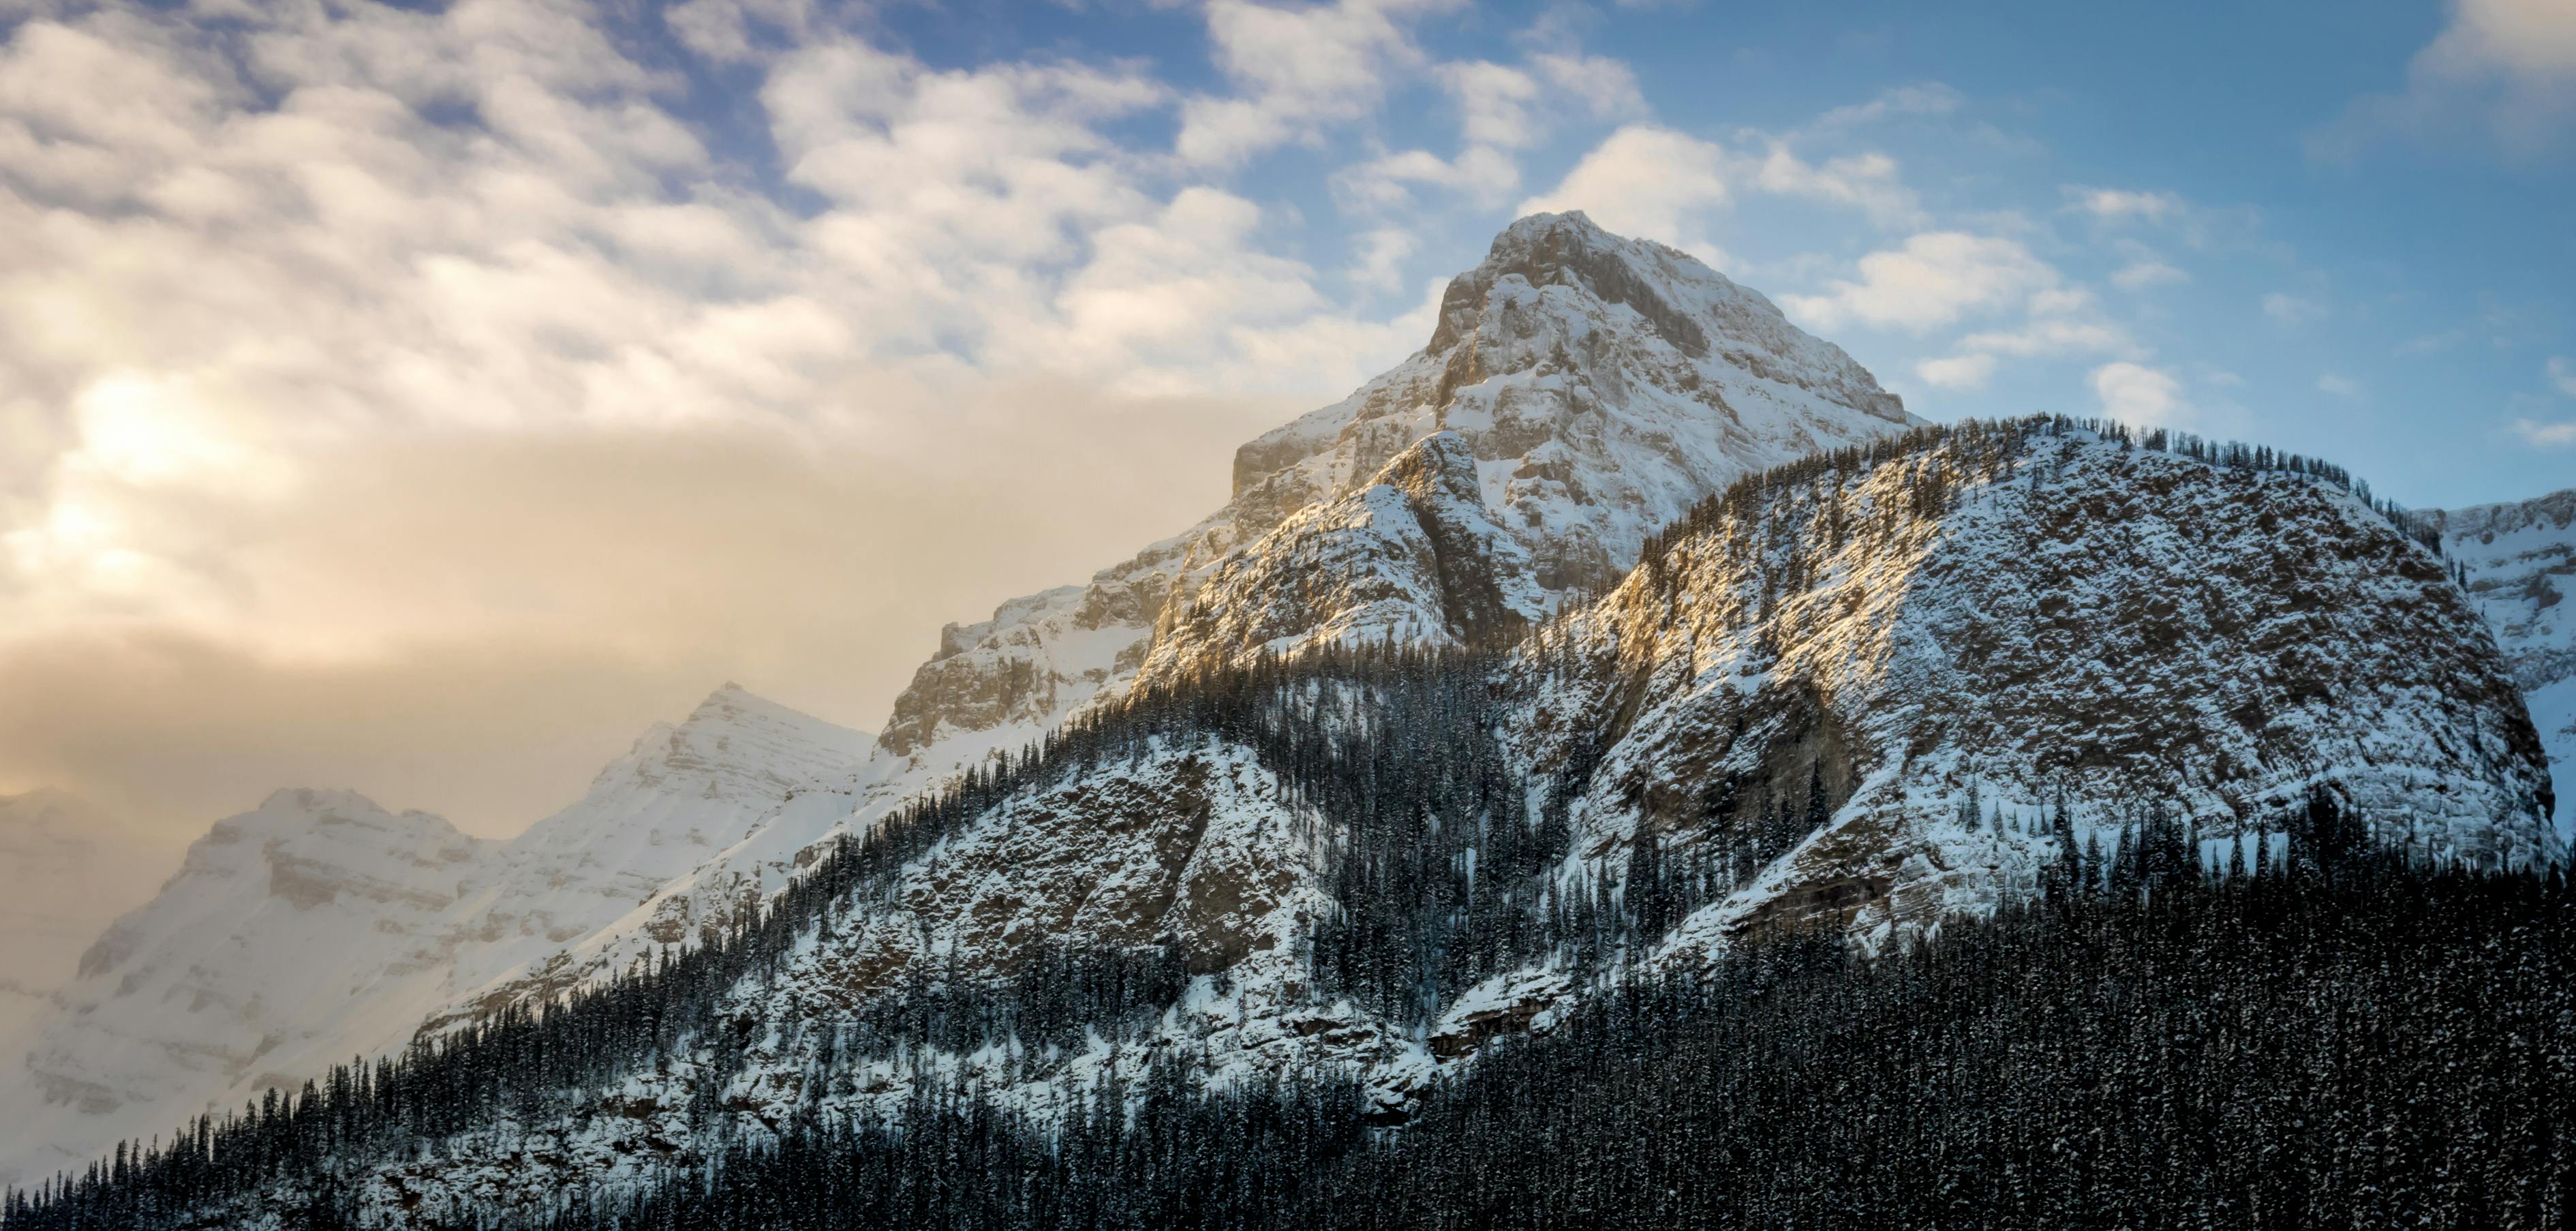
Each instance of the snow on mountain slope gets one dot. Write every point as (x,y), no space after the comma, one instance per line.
(321,926)
(2003,620)
(316,917)
(686,829)
(1599,385)
(1414,555)
(1859,691)
(67,868)
(2520,559)
(1580,390)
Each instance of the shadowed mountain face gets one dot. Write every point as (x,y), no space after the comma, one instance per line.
(2520,563)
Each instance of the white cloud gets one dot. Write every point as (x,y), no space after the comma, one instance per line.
(1961,372)
(2547,435)
(2143,396)
(1928,98)
(2431,343)
(2338,385)
(1867,182)
(2052,335)
(250,247)
(2290,309)
(1298,70)
(2501,70)
(1935,278)
(1493,102)
(2562,374)
(1606,88)
(2141,275)
(2122,204)
(1642,180)
(1386,183)
(1502,110)
(1380,261)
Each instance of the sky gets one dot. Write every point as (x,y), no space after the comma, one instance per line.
(424,397)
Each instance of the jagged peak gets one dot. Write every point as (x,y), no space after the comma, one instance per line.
(1569,249)
(736,732)
(315,801)
(2556,510)
(1442,459)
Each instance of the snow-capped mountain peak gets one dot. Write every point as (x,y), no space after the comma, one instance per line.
(1598,385)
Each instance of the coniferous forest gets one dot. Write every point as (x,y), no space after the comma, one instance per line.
(2367,1046)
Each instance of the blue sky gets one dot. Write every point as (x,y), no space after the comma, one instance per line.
(512,371)
(2416,268)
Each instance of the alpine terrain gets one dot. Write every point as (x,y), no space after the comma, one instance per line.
(1613,735)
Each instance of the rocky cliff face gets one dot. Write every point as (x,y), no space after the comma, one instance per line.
(1413,556)
(1595,386)
(2520,563)
(2002,625)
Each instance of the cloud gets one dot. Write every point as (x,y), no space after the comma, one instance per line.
(2141,275)
(1502,111)
(1607,88)
(2290,309)
(1927,98)
(1642,180)
(2340,386)
(2121,204)
(2052,335)
(1380,261)
(2547,435)
(1935,278)
(2140,395)
(1297,71)
(2562,375)
(1961,372)
(523,604)
(1867,182)
(1493,102)
(2431,343)
(362,342)
(2145,269)
(2501,72)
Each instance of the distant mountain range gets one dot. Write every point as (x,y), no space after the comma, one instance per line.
(1647,606)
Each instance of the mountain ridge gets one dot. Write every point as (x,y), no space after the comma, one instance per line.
(1583,402)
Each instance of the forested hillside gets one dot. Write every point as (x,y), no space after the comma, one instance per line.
(2332,1041)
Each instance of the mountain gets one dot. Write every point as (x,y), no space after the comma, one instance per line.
(1885,688)
(314,918)
(67,867)
(1876,690)
(2519,561)
(676,836)
(1622,626)
(322,926)
(1595,386)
